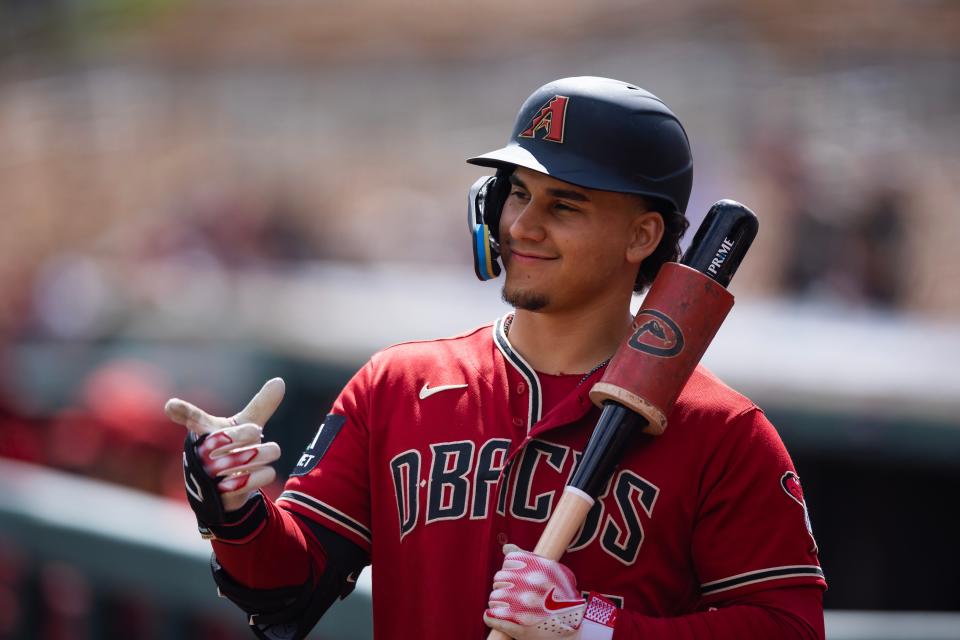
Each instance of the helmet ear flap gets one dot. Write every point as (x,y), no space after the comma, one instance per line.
(484,206)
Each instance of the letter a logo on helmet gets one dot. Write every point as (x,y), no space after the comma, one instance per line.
(550,118)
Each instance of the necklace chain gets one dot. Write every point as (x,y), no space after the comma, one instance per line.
(506,332)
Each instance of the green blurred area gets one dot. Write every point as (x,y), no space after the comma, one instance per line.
(71,27)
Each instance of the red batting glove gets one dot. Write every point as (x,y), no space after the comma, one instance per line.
(537,599)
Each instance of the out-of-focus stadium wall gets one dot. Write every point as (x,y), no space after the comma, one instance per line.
(98,540)
(104,550)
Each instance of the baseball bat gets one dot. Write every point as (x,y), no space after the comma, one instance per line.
(678,319)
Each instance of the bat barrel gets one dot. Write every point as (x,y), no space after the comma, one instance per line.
(722,240)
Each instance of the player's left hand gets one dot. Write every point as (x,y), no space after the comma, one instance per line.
(534,598)
(225,460)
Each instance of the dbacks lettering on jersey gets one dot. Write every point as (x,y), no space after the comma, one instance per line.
(458,480)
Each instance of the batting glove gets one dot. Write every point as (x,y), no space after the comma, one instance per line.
(225,461)
(537,599)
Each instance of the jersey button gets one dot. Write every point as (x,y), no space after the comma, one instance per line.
(518,422)
(502,538)
(521,387)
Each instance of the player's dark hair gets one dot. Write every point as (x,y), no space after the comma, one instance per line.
(674,226)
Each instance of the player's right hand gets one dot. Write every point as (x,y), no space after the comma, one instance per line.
(235,461)
(535,598)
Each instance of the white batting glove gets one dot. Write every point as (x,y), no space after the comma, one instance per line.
(230,450)
(537,599)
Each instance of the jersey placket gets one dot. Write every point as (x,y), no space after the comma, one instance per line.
(525,397)
(524,401)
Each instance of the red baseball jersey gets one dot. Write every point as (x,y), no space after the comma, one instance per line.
(437,453)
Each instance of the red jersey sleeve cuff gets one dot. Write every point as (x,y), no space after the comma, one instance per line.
(243,524)
(329,516)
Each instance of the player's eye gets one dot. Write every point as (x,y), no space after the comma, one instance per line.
(518,193)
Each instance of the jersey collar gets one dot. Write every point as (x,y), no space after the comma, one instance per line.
(522,367)
(568,411)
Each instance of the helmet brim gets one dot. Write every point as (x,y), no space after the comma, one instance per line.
(568,168)
(508,157)
(575,170)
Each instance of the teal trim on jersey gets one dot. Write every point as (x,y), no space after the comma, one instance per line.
(523,367)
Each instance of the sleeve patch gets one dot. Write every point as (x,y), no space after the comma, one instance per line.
(318,446)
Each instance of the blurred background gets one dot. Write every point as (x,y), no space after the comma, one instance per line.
(198,195)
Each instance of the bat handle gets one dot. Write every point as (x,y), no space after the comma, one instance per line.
(564,523)
(567,518)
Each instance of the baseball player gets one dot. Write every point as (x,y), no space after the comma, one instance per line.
(440,461)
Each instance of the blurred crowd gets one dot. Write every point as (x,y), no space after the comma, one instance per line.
(107,423)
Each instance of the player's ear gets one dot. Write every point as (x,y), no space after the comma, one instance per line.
(646,230)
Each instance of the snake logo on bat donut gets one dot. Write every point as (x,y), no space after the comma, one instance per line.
(656,333)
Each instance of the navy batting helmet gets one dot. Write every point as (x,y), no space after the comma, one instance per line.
(596,133)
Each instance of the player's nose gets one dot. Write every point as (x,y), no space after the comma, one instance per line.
(527,223)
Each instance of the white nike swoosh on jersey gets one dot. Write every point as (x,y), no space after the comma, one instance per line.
(428,391)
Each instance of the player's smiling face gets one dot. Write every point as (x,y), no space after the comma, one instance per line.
(565,246)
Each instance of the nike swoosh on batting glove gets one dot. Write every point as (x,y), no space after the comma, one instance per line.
(534,598)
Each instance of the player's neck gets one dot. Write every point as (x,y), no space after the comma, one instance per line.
(569,342)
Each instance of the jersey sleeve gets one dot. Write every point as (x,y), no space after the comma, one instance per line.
(752,531)
(330,485)
(793,613)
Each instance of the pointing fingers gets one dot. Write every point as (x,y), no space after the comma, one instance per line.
(263,404)
(193,417)
(258,410)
